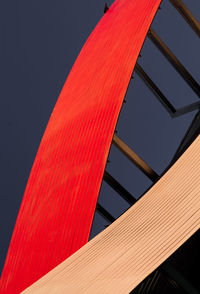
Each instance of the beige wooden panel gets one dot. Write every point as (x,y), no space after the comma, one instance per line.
(119,258)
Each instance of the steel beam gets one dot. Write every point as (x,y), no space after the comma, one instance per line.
(187,109)
(104,213)
(118,188)
(161,97)
(187,15)
(174,61)
(138,161)
(156,91)
(190,136)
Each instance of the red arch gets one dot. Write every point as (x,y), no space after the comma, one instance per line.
(60,198)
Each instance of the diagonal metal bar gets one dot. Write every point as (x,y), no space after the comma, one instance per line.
(138,161)
(119,188)
(191,134)
(161,97)
(174,61)
(187,109)
(156,91)
(187,15)
(104,213)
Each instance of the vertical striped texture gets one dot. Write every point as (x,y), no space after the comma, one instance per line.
(119,258)
(60,198)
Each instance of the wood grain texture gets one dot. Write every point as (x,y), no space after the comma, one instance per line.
(120,257)
(59,202)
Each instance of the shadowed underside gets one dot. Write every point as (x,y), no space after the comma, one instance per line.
(60,198)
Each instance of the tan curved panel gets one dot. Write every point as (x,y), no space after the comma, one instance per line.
(119,258)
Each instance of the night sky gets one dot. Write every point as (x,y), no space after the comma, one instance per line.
(40,41)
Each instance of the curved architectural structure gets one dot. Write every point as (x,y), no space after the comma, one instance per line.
(120,257)
(60,198)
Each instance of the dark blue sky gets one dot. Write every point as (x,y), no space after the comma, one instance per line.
(40,41)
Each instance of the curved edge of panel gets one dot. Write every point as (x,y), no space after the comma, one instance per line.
(120,257)
(61,194)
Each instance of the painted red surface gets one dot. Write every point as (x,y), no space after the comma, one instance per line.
(60,198)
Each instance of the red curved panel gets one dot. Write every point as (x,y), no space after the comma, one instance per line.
(139,241)
(60,198)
